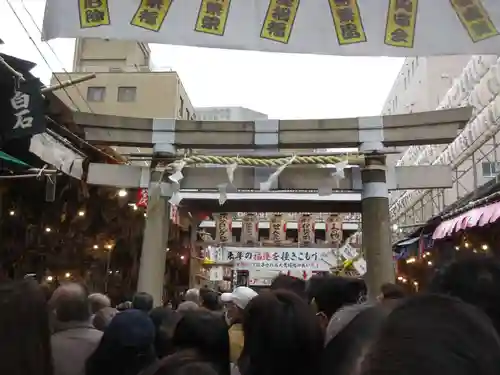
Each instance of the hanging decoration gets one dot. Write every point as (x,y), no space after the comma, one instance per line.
(306,228)
(277,228)
(142,198)
(250,229)
(266,185)
(333,226)
(228,186)
(223,227)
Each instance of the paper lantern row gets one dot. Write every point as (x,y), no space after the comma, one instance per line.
(277,229)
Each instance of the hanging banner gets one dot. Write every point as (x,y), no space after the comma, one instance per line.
(305,228)
(277,228)
(333,226)
(327,27)
(26,115)
(280,259)
(223,228)
(249,229)
(142,198)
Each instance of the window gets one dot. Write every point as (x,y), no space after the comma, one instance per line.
(188,115)
(96,94)
(490,169)
(127,94)
(181,107)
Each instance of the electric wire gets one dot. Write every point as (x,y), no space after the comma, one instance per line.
(9,3)
(56,56)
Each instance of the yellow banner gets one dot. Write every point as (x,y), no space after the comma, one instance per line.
(347,20)
(151,14)
(475,19)
(93,13)
(400,23)
(279,20)
(212,16)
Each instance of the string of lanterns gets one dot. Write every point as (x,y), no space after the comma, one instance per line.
(426,260)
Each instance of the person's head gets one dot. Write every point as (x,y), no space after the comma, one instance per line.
(70,303)
(124,306)
(126,347)
(24,329)
(210,299)
(103,317)
(187,306)
(192,295)
(143,301)
(237,301)
(290,283)
(98,301)
(391,291)
(475,280)
(183,363)
(281,336)
(165,321)
(434,335)
(205,333)
(351,331)
(329,293)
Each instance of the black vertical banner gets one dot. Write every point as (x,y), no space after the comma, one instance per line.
(26,110)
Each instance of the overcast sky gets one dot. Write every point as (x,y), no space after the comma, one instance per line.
(283,86)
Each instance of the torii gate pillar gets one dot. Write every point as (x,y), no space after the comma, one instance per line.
(375,223)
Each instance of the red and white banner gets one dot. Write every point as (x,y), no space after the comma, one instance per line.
(143,199)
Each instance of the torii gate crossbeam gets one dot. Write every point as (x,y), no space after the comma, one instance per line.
(372,135)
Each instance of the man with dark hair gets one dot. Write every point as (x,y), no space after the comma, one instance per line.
(74,338)
(329,293)
(210,299)
(143,301)
(290,283)
(475,280)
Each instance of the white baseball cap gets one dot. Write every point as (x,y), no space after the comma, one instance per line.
(240,296)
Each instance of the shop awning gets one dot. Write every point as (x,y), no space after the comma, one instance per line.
(11,159)
(477,217)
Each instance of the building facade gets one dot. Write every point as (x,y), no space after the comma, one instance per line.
(473,156)
(228,114)
(125,84)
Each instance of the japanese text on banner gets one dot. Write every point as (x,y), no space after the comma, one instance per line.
(151,14)
(93,13)
(347,20)
(279,21)
(401,23)
(474,19)
(212,16)
(282,260)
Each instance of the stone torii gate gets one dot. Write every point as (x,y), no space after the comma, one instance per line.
(367,184)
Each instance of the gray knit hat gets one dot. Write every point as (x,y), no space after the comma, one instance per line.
(343,317)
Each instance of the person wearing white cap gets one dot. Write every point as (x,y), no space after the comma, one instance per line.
(236,303)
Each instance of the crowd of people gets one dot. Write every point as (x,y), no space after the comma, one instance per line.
(325,326)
